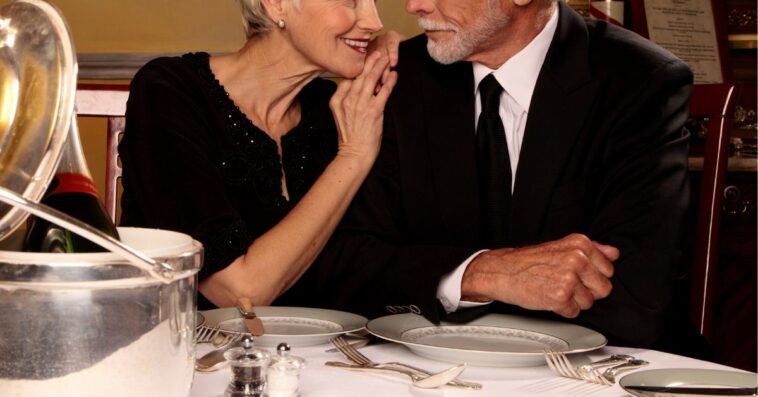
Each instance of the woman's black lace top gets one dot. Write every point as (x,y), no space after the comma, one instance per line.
(194,163)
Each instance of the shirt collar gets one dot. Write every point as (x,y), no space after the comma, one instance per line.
(518,75)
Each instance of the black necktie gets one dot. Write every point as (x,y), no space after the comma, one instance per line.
(494,165)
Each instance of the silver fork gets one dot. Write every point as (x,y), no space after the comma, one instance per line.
(613,360)
(559,363)
(223,338)
(608,377)
(205,334)
(357,357)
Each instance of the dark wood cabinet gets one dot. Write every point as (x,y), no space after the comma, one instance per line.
(735,314)
(735,333)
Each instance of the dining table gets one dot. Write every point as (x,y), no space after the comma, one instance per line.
(317,379)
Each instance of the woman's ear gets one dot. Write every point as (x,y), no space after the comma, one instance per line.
(274,9)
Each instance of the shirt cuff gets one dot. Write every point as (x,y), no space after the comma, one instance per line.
(449,288)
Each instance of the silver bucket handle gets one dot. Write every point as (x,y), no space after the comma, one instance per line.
(159,270)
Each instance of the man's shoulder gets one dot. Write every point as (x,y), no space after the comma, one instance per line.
(413,52)
(621,49)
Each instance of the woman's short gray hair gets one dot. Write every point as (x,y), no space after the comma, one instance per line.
(254,17)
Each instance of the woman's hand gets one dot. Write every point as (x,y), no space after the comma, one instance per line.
(358,108)
(388,44)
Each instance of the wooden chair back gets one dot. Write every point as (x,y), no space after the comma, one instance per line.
(106,101)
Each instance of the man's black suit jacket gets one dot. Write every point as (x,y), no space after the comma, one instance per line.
(604,153)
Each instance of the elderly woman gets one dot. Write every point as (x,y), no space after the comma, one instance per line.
(251,153)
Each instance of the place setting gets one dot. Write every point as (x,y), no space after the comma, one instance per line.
(498,345)
(298,326)
(494,340)
(267,326)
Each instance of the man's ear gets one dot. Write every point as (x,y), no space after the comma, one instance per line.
(522,3)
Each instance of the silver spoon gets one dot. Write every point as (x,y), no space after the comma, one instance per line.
(214,360)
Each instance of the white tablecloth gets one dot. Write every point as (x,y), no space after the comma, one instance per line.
(319,380)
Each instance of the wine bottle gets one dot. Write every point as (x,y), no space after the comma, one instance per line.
(73,192)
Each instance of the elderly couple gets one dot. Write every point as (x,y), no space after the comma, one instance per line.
(515,157)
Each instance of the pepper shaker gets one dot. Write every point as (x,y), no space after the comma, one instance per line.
(249,366)
(284,373)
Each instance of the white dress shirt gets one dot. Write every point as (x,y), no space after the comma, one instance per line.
(517,76)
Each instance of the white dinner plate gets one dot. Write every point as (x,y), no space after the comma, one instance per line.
(493,340)
(687,377)
(297,326)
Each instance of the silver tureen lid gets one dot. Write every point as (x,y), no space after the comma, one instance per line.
(37,87)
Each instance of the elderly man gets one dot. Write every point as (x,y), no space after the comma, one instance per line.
(531,159)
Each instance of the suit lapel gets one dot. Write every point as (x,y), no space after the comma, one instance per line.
(562,97)
(449,120)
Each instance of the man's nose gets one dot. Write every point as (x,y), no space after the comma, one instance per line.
(420,7)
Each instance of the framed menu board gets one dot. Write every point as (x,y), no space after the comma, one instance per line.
(694,30)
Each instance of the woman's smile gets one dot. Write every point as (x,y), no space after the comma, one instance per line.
(359,45)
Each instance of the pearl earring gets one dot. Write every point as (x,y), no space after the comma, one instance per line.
(280,23)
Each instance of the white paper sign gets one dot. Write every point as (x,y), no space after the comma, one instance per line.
(687,29)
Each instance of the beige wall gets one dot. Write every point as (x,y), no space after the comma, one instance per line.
(103,26)
(167,26)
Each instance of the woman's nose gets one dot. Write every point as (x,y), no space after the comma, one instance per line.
(369,18)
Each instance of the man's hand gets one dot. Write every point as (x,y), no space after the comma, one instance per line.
(565,276)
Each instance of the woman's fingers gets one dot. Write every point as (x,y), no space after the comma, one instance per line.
(386,89)
(358,105)
(373,69)
(388,43)
(336,104)
(393,45)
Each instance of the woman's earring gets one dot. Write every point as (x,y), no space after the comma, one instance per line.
(280,23)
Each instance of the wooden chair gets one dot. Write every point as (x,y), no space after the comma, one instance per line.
(106,101)
(715,104)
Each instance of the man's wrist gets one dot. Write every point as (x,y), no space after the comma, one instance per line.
(449,287)
(473,281)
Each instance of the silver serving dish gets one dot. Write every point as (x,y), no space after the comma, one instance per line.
(37,87)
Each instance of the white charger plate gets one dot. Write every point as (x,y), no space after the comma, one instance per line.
(493,340)
(297,326)
(687,377)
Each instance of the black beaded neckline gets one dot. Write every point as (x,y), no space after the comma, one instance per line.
(255,160)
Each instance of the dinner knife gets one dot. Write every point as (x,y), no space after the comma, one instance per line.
(253,323)
(668,391)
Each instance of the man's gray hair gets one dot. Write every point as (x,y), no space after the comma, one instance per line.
(254,17)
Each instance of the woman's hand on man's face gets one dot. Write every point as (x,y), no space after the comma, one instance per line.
(388,44)
(358,107)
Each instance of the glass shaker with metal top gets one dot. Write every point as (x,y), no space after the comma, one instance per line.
(249,366)
(284,373)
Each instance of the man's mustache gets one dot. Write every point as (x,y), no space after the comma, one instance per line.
(432,25)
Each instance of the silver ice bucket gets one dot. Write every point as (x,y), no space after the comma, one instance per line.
(94,325)
(99,324)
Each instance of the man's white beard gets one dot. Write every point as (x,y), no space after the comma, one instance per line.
(463,42)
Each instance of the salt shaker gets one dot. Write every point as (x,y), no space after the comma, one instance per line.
(249,366)
(284,373)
